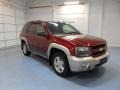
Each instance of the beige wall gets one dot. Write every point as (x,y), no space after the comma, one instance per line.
(104,20)
(12,18)
(73,14)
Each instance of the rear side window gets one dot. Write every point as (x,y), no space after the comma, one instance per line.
(31,28)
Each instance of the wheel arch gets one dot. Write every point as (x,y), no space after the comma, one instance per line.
(54,48)
(24,40)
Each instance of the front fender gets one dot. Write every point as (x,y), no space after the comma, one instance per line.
(58,46)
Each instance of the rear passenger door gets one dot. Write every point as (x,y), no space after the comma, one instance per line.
(31,36)
(42,40)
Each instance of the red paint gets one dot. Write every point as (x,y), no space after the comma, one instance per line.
(69,41)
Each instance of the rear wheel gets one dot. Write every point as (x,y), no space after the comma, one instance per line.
(60,64)
(25,50)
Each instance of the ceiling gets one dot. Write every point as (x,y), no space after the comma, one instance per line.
(50,2)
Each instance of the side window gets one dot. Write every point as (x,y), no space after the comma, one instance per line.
(31,28)
(40,30)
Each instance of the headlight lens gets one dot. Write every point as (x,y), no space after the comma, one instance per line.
(82,51)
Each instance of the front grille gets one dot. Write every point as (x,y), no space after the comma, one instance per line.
(98,50)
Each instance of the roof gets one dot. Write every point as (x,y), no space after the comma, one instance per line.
(37,21)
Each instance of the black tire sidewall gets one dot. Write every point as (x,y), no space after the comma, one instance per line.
(27,52)
(66,71)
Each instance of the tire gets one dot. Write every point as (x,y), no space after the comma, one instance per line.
(60,64)
(25,49)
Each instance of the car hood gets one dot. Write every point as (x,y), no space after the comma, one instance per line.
(83,40)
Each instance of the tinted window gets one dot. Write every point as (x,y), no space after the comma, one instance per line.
(40,29)
(31,28)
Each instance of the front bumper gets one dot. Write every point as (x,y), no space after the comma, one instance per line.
(86,63)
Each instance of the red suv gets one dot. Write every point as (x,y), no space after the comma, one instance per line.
(66,48)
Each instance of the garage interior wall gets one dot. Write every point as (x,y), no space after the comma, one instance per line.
(77,15)
(96,17)
(12,18)
(50,10)
(104,20)
(111,22)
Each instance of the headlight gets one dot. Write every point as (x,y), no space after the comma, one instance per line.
(82,51)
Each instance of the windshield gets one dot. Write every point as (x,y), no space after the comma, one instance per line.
(62,28)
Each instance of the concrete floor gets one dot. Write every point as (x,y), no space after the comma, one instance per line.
(18,72)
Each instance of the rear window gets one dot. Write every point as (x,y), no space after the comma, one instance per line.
(25,27)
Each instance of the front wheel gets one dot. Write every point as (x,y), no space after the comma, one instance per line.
(60,64)
(25,50)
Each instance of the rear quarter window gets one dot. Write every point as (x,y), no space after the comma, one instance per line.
(25,27)
(31,28)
